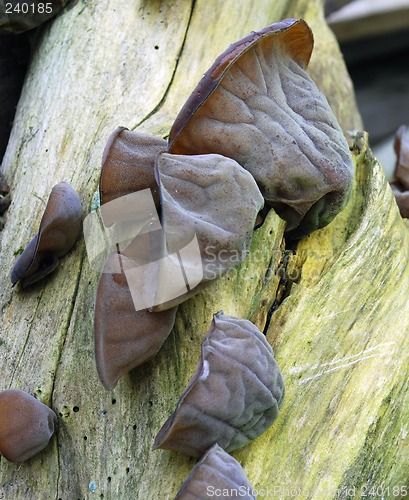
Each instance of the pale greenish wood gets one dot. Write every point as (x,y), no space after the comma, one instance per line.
(95,68)
(341,340)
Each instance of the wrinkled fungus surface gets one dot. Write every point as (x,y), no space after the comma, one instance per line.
(216,470)
(210,199)
(234,396)
(257,105)
(26,425)
(59,229)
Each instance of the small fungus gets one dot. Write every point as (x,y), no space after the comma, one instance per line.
(233,397)
(26,425)
(257,105)
(400,182)
(216,471)
(128,163)
(59,229)
(124,338)
(4,198)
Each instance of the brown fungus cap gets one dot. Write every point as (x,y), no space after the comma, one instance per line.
(124,337)
(400,182)
(26,425)
(401,146)
(257,105)
(128,165)
(220,471)
(234,396)
(59,229)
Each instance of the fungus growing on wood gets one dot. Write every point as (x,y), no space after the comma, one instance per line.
(26,425)
(124,337)
(218,471)
(257,105)
(233,397)
(128,163)
(59,229)
(400,182)
(4,198)
(211,198)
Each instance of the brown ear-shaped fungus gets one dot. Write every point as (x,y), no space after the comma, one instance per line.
(128,164)
(401,147)
(4,195)
(216,470)
(400,182)
(209,199)
(233,397)
(59,229)
(124,337)
(26,425)
(257,105)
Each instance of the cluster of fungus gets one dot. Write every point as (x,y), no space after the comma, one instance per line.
(256,132)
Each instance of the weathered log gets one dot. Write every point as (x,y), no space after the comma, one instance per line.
(338,333)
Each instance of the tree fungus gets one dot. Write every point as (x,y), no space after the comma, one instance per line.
(59,229)
(26,425)
(233,397)
(400,182)
(216,471)
(128,163)
(124,337)
(257,105)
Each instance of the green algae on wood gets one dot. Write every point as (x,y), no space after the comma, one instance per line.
(340,339)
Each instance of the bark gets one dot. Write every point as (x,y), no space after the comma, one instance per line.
(338,332)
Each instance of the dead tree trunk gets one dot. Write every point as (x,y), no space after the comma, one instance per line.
(339,332)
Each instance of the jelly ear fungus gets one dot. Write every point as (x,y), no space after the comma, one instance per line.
(257,105)
(211,200)
(128,163)
(124,337)
(26,425)
(215,471)
(233,397)
(59,229)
